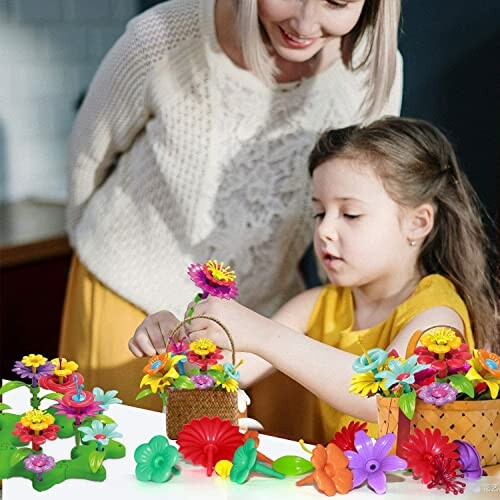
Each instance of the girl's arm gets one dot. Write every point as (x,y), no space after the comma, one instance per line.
(323,370)
(114,111)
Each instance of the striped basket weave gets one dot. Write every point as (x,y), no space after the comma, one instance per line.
(183,405)
(477,422)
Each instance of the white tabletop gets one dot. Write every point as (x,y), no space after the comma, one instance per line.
(139,426)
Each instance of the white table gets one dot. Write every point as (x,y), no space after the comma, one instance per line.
(139,426)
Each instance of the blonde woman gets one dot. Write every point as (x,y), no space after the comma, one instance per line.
(192,144)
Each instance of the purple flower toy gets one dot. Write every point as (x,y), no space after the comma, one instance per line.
(371,461)
(470,461)
(214,279)
(33,367)
(39,463)
(202,381)
(437,393)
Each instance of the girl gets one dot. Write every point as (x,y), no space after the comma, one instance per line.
(197,124)
(400,239)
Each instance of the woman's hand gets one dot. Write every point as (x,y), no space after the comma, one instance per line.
(151,336)
(241,322)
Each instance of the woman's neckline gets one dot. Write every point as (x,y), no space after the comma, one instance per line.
(225,62)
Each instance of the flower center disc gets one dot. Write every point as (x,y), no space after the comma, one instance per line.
(372,466)
(491,364)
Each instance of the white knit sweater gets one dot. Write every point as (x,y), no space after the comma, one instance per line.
(179,156)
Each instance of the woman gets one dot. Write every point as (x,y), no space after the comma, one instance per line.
(192,143)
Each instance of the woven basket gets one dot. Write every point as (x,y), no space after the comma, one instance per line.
(183,405)
(477,422)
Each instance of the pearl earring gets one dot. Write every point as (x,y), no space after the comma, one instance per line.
(412,243)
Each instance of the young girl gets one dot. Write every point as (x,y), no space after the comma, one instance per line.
(400,238)
(198,124)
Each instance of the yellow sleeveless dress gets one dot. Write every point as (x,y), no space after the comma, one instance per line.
(285,408)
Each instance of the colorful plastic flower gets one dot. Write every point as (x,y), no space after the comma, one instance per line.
(370,361)
(214,279)
(37,438)
(37,420)
(223,468)
(39,463)
(469,460)
(445,475)
(33,367)
(229,384)
(67,384)
(344,438)
(371,461)
(63,368)
(106,398)
(489,361)
(202,381)
(78,405)
(203,361)
(441,339)
(245,461)
(366,384)
(165,374)
(455,360)
(399,372)
(156,363)
(422,447)
(100,433)
(478,375)
(202,347)
(231,371)
(177,347)
(437,394)
(156,460)
(331,473)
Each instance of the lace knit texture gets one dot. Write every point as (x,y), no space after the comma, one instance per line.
(179,156)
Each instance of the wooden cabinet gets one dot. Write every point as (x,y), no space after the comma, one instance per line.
(34,263)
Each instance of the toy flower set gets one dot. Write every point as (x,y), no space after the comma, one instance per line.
(440,402)
(209,387)
(77,413)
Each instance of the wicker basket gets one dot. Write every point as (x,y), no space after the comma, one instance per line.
(477,422)
(183,405)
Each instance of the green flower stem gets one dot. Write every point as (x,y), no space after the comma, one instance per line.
(77,433)
(191,309)
(264,469)
(35,400)
(163,397)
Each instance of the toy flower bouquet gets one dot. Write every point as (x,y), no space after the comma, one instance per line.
(440,371)
(450,387)
(191,377)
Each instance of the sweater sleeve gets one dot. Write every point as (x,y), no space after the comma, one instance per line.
(393,105)
(113,113)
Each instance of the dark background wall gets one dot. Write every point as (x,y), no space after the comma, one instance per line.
(451,77)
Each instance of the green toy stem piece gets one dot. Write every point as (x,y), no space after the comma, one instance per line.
(191,309)
(264,469)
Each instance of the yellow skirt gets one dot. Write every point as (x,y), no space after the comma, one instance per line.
(96,327)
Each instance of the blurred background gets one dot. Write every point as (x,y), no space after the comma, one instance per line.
(49,51)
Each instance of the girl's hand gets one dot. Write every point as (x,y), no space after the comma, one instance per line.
(241,322)
(151,336)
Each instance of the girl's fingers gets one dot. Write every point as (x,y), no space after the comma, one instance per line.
(134,349)
(144,342)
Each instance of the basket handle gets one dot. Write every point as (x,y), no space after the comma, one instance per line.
(201,316)
(412,343)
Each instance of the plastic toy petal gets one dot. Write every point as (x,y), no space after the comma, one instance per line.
(292,466)
(377,481)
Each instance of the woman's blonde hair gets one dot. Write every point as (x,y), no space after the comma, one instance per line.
(378,21)
(417,164)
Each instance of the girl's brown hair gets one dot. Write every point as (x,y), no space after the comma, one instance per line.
(417,164)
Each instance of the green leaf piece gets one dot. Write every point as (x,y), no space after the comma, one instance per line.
(52,396)
(407,403)
(462,384)
(183,382)
(105,419)
(95,460)
(144,393)
(19,455)
(291,465)
(217,375)
(4,406)
(14,384)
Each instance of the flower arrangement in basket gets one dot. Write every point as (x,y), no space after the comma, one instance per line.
(205,387)
(440,385)
(77,413)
